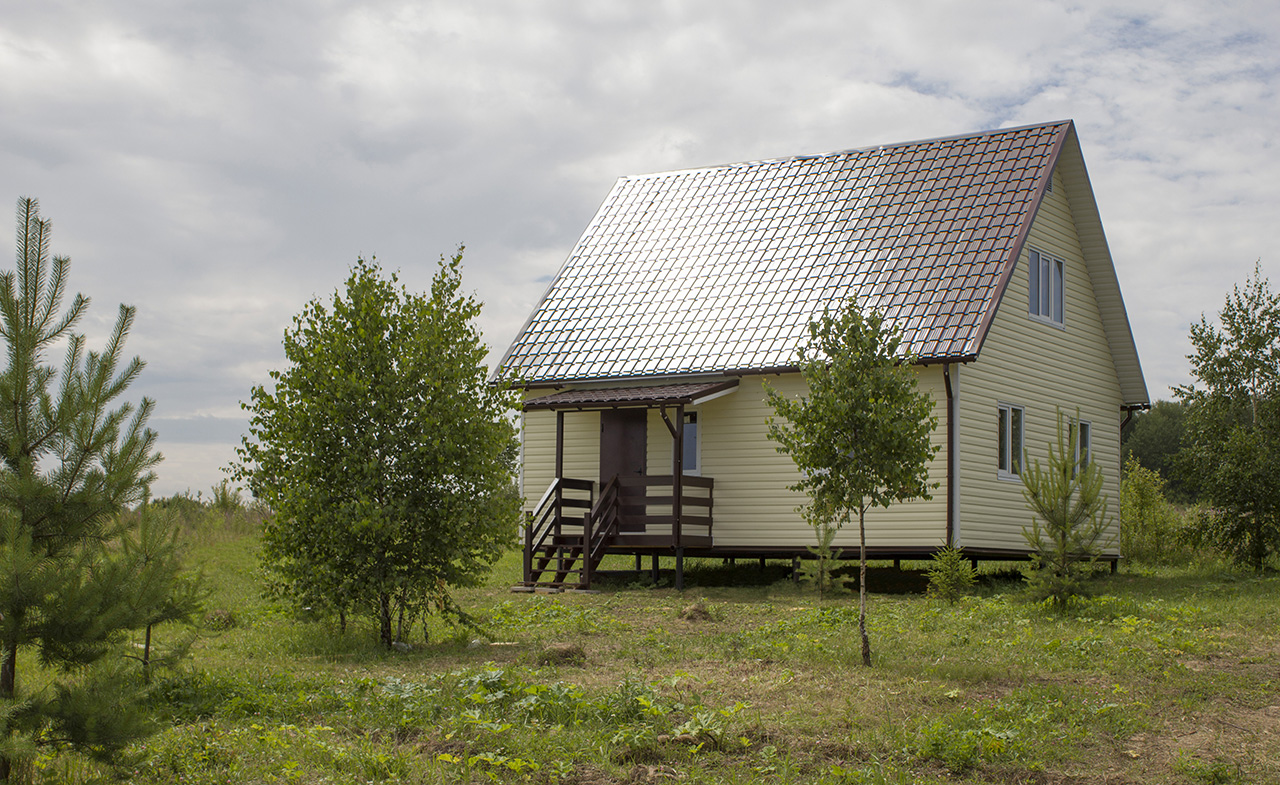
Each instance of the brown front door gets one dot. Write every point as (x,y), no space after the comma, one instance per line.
(623,441)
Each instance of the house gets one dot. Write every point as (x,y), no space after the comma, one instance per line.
(644,415)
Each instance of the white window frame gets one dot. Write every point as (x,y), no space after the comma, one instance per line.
(1046,285)
(1010,456)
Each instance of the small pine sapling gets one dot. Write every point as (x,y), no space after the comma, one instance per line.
(951,576)
(1066,496)
(821,569)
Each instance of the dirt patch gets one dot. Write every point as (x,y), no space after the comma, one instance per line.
(697,612)
(645,773)
(563,654)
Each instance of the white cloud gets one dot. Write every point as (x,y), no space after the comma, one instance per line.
(220,164)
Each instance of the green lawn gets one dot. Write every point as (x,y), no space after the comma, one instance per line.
(1165,677)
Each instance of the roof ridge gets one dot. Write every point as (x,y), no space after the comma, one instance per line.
(845,151)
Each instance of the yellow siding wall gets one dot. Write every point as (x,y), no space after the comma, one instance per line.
(754,508)
(1041,367)
(752,505)
(538,447)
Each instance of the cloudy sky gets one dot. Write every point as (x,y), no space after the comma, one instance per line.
(219,164)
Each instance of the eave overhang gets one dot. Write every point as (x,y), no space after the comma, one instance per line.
(654,396)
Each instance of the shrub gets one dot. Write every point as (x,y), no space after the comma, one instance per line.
(1151,529)
(951,575)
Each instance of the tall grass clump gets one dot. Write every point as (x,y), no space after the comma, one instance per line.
(225,516)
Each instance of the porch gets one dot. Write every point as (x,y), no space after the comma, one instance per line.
(577,521)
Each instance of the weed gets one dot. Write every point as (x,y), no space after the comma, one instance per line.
(1214,772)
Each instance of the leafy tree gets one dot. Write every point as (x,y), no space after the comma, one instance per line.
(1149,525)
(382,451)
(1155,438)
(70,463)
(860,438)
(1068,498)
(1233,421)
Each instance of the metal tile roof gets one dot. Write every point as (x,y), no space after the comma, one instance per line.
(721,269)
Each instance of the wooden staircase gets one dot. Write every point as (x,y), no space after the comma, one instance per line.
(562,551)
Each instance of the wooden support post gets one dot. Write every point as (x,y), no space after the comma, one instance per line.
(795,569)
(897,564)
(559,469)
(679,569)
(639,563)
(528,547)
(677,480)
(762,561)
(585,575)
(654,570)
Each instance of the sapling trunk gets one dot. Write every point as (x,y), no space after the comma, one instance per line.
(862,586)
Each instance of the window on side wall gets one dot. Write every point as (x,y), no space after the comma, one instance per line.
(1083,433)
(1010,432)
(691,451)
(1047,276)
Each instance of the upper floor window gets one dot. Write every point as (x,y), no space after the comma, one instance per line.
(1047,275)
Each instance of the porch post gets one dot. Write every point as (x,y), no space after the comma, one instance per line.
(677,462)
(677,488)
(559,466)
(528,547)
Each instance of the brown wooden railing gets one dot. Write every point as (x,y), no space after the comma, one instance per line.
(545,525)
(631,512)
(641,494)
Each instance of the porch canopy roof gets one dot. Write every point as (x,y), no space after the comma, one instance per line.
(687,394)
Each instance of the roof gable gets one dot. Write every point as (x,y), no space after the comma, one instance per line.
(721,269)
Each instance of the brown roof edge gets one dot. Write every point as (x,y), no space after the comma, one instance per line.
(781,369)
(631,397)
(771,370)
(1024,232)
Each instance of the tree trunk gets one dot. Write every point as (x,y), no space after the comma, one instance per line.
(384,616)
(862,587)
(342,620)
(8,691)
(146,657)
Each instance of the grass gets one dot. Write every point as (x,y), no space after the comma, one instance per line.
(1169,676)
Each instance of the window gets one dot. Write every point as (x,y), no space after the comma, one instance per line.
(691,451)
(1084,435)
(1046,277)
(1010,434)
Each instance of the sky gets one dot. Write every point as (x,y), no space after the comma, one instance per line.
(220,164)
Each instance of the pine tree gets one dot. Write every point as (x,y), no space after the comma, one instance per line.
(1067,497)
(72,458)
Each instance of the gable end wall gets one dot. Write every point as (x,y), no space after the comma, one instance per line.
(1042,367)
